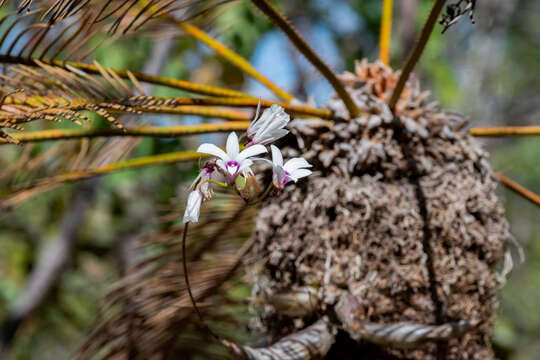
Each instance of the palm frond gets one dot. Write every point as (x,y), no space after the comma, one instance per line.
(25,41)
(148,311)
(150,131)
(54,93)
(30,37)
(120,16)
(90,169)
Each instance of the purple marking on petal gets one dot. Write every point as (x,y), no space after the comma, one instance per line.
(286,178)
(232,164)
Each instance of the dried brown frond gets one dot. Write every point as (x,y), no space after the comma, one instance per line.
(31,38)
(54,93)
(120,16)
(148,312)
(37,172)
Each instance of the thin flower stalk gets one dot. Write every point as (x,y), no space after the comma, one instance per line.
(386,32)
(149,131)
(283,23)
(417,51)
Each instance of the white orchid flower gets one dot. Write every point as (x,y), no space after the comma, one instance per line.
(233,161)
(193,207)
(269,126)
(292,170)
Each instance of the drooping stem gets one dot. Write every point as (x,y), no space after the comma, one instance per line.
(188,286)
(283,23)
(517,188)
(417,51)
(386,32)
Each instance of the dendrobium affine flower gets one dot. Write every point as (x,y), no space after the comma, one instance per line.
(193,207)
(268,127)
(233,162)
(293,169)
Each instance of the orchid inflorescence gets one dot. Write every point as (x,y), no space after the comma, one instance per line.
(234,164)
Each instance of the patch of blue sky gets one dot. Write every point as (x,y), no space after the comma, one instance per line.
(341,17)
(272,57)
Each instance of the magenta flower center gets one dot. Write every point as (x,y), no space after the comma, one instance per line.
(232,164)
(286,178)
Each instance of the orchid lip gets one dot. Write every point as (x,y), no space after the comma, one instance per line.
(232,166)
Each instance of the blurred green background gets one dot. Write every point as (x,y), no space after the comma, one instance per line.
(488,71)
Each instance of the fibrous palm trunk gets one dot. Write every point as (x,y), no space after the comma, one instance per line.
(401,214)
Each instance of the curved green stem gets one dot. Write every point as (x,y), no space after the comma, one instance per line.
(222,184)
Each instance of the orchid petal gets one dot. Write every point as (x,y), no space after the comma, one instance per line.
(296,163)
(251,151)
(300,173)
(269,127)
(279,177)
(232,168)
(246,166)
(221,164)
(277,158)
(212,149)
(264,138)
(193,207)
(233,148)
